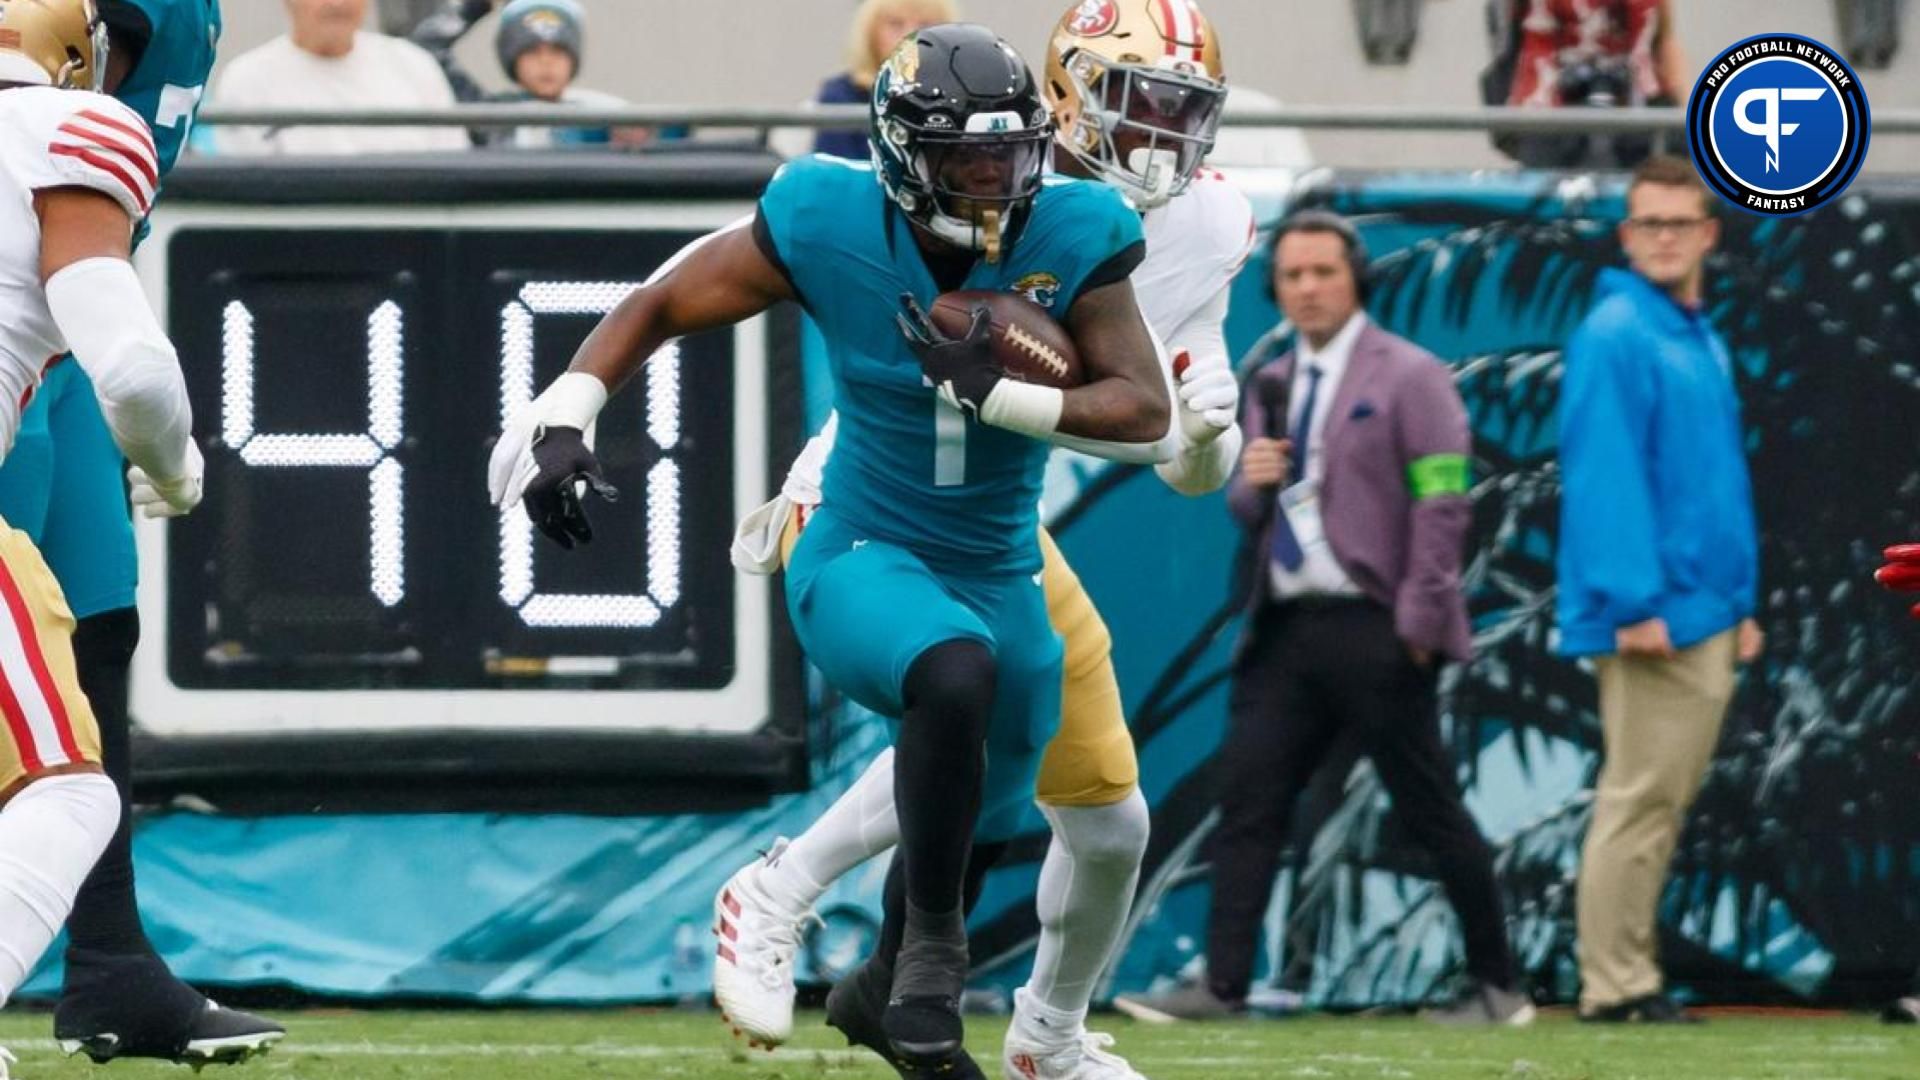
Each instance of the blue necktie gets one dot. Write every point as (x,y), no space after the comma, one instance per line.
(1284,545)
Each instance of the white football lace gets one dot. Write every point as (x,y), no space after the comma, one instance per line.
(1094,1044)
(780,940)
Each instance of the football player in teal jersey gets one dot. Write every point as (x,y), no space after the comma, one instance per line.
(915,588)
(62,484)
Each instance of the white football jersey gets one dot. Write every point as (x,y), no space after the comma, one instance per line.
(49,139)
(1196,243)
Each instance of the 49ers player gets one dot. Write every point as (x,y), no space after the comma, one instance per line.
(77,172)
(1136,89)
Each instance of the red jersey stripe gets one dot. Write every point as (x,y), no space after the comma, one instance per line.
(106,165)
(79,136)
(138,133)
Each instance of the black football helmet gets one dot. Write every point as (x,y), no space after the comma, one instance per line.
(960,135)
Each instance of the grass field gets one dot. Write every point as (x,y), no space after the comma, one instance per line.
(336,1045)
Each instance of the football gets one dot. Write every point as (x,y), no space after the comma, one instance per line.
(1027,343)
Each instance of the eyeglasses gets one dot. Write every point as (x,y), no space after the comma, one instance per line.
(1654,226)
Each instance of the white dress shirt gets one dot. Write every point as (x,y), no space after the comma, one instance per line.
(1320,573)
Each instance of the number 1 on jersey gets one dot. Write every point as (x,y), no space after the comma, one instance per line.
(949,444)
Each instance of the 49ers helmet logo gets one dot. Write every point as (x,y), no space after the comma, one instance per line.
(1095,17)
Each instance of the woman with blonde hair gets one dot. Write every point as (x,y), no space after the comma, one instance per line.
(878,26)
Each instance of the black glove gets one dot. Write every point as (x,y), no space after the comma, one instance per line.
(961,369)
(552,497)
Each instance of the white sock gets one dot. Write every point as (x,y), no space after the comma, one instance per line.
(51,833)
(860,825)
(1086,889)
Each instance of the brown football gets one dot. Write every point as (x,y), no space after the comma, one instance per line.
(1027,343)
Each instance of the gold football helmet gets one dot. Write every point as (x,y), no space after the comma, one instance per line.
(59,43)
(1136,88)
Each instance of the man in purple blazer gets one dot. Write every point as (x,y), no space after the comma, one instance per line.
(1353,490)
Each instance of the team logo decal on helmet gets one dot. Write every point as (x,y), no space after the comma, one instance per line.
(1094,18)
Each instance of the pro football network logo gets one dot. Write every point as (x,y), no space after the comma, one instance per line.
(1778,124)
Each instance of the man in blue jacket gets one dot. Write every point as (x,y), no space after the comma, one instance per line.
(1658,560)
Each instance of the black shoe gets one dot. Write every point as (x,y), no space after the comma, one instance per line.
(1651,1009)
(133,1007)
(922,1020)
(856,1006)
(1904,1010)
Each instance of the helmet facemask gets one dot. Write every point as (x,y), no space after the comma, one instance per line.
(978,186)
(95,72)
(1143,129)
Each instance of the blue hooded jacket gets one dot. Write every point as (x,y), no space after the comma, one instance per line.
(1656,515)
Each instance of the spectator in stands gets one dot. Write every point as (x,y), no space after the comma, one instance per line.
(1596,53)
(878,26)
(441,30)
(326,61)
(1353,491)
(539,43)
(1658,566)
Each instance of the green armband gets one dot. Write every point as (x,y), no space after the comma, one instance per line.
(1438,474)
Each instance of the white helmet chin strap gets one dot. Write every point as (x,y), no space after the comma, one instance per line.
(1151,175)
(963,233)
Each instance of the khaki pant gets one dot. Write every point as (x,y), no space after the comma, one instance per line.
(1660,720)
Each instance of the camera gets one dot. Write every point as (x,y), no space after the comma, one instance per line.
(1598,81)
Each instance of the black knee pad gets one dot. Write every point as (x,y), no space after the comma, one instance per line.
(952,679)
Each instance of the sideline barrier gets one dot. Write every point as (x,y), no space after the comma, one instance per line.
(1796,876)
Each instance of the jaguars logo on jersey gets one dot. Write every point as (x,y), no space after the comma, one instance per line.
(1041,287)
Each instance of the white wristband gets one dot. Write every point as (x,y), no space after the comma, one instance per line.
(1023,407)
(572,400)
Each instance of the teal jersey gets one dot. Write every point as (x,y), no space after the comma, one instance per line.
(907,468)
(166,86)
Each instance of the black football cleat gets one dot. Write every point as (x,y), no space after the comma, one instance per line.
(922,1021)
(132,1007)
(856,1007)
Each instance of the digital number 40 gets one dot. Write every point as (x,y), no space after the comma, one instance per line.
(376,450)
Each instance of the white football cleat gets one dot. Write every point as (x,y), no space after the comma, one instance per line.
(1085,1058)
(753,963)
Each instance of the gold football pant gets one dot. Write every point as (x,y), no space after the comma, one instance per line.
(48,727)
(1090,761)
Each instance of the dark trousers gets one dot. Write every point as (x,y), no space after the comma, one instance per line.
(1307,673)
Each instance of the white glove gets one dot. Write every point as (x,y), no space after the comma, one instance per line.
(169,498)
(512,465)
(572,400)
(1209,401)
